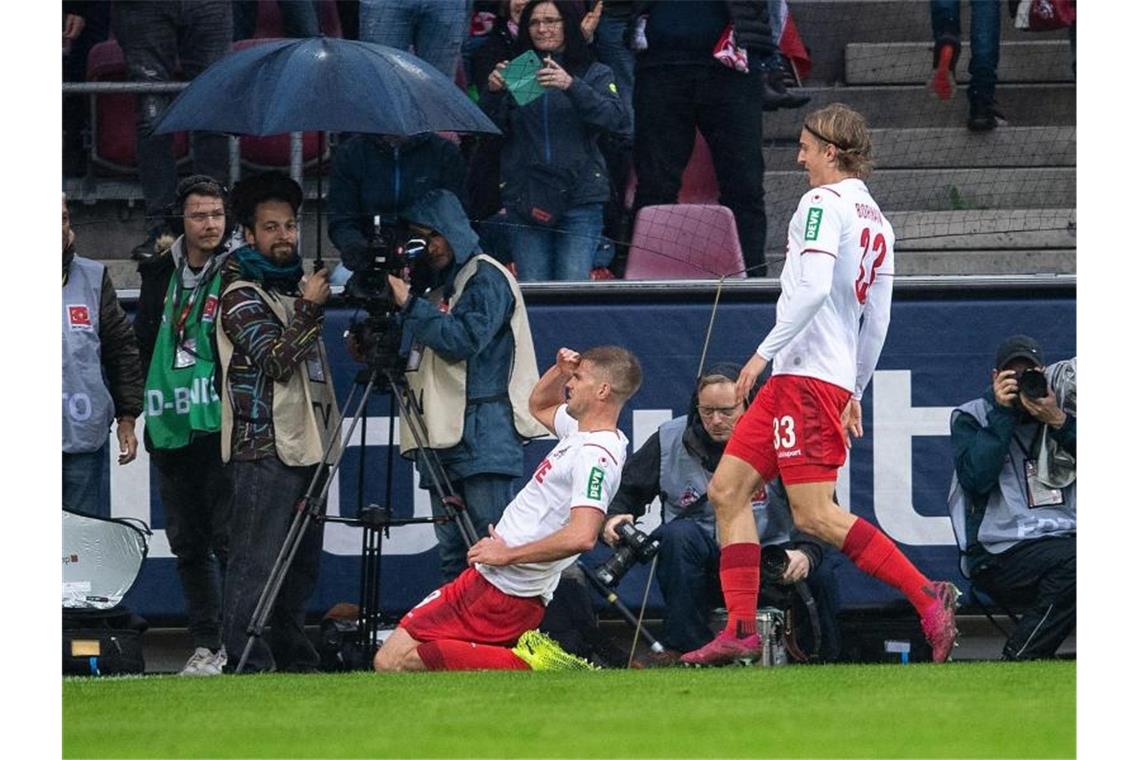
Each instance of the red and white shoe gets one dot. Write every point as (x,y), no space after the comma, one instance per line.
(725,650)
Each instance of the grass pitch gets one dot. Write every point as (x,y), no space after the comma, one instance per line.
(984,709)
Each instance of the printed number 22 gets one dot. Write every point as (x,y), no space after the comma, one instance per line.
(789,438)
(864,280)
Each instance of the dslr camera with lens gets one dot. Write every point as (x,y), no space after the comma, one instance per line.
(391,250)
(633,546)
(1033,384)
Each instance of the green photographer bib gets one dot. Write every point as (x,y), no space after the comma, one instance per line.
(180,395)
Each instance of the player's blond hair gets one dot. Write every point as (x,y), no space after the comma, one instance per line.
(619,367)
(846,129)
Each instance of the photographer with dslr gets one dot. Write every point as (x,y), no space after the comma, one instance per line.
(476,372)
(675,464)
(278,412)
(1013,499)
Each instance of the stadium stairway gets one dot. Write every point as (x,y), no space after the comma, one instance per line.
(1000,202)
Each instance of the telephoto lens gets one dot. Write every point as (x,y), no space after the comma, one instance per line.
(1033,384)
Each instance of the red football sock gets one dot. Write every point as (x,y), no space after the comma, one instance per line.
(740,583)
(875,554)
(448,654)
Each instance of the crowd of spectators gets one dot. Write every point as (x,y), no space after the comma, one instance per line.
(549,193)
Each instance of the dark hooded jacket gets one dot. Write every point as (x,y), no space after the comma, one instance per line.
(559,130)
(476,329)
(370,176)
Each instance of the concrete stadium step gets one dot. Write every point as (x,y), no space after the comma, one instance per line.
(987,229)
(1058,261)
(941,189)
(911,106)
(911,62)
(827,26)
(957,147)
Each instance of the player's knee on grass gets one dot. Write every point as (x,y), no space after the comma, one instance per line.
(395,653)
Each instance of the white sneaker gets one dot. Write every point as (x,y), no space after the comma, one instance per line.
(205,663)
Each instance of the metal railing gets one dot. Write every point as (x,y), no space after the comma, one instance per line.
(92,89)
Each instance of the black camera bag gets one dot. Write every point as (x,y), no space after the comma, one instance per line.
(102,642)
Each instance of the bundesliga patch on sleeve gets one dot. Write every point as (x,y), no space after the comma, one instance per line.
(594,486)
(811,231)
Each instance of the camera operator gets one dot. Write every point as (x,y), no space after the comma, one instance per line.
(278,410)
(675,464)
(477,368)
(498,601)
(1013,499)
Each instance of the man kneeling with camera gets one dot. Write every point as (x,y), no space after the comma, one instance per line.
(675,463)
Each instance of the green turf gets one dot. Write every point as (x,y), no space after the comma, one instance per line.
(984,709)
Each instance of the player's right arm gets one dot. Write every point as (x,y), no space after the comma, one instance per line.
(549,392)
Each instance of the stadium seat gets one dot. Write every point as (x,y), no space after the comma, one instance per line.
(698,183)
(273,151)
(113,116)
(684,241)
(269,19)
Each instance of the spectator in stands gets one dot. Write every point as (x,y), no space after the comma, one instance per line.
(299,18)
(477,370)
(675,464)
(776,93)
(158,37)
(554,179)
(278,411)
(84,25)
(500,44)
(102,380)
(681,87)
(1013,499)
(434,28)
(985,48)
(175,325)
(384,175)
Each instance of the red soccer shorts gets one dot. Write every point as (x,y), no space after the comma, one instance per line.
(471,609)
(793,430)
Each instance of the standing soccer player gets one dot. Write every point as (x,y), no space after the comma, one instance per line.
(831,321)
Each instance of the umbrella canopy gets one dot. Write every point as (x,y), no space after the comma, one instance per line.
(323,84)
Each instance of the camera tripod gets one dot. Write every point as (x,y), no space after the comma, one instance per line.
(373,519)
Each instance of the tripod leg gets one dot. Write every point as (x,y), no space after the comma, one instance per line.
(411,416)
(611,596)
(308,508)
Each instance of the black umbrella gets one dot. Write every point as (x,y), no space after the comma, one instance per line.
(323,84)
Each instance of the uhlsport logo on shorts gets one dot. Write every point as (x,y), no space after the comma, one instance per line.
(594,488)
(814,217)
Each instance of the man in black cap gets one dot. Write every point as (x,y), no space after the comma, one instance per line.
(1013,498)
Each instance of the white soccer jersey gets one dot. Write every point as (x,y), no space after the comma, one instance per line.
(841,221)
(583,470)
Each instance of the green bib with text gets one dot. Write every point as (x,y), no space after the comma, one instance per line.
(181,399)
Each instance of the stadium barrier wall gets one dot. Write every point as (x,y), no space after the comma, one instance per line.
(938,354)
